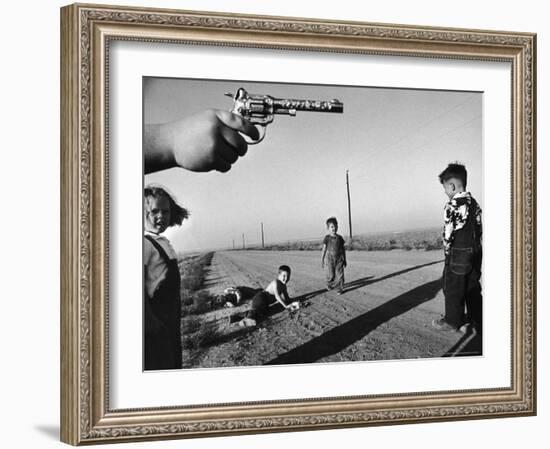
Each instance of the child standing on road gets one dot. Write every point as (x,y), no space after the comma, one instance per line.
(162,302)
(462,246)
(333,246)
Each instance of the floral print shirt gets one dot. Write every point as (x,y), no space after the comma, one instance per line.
(455,217)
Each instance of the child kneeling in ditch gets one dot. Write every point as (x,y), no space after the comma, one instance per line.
(275,292)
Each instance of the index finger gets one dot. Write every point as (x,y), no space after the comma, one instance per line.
(237,123)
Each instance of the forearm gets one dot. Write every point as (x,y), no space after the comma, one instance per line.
(286,298)
(157,148)
(279,296)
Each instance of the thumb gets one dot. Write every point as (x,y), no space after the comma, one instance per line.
(238,123)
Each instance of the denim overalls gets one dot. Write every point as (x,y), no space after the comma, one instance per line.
(462,273)
(162,319)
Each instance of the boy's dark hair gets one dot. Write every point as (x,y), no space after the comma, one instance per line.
(454,170)
(285,268)
(177,213)
(332,220)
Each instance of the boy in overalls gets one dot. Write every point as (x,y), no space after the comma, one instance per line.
(462,246)
(335,252)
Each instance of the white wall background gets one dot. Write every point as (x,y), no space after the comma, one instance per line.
(29,221)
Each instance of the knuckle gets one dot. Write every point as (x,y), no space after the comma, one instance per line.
(243,149)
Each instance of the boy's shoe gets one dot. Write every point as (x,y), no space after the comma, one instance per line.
(470,327)
(339,292)
(247,322)
(442,325)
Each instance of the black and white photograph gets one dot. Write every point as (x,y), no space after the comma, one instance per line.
(301,223)
(275,220)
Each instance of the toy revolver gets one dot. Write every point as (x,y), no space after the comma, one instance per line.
(261,109)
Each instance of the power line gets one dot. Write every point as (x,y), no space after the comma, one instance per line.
(423,126)
(435,139)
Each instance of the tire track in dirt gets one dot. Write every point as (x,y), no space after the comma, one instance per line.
(385,313)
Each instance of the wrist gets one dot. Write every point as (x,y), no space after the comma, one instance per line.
(158,148)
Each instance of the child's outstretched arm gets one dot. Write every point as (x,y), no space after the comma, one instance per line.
(206,141)
(281,295)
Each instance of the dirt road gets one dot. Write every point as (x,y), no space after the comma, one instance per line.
(390,300)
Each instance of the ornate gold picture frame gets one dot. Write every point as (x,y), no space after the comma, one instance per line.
(87,33)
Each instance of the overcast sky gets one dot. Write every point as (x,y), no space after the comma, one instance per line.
(394,142)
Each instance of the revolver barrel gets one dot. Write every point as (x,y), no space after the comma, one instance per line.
(307,105)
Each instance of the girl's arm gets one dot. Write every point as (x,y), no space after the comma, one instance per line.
(323,252)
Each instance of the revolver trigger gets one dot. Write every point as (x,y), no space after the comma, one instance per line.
(262,130)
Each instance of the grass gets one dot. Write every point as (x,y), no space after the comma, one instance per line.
(193,270)
(196,333)
(425,239)
(204,336)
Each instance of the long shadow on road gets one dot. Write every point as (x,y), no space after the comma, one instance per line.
(340,337)
(362,282)
(354,285)
(470,344)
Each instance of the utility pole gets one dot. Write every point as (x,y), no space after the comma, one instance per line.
(349,207)
(233,243)
(243,240)
(263,243)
